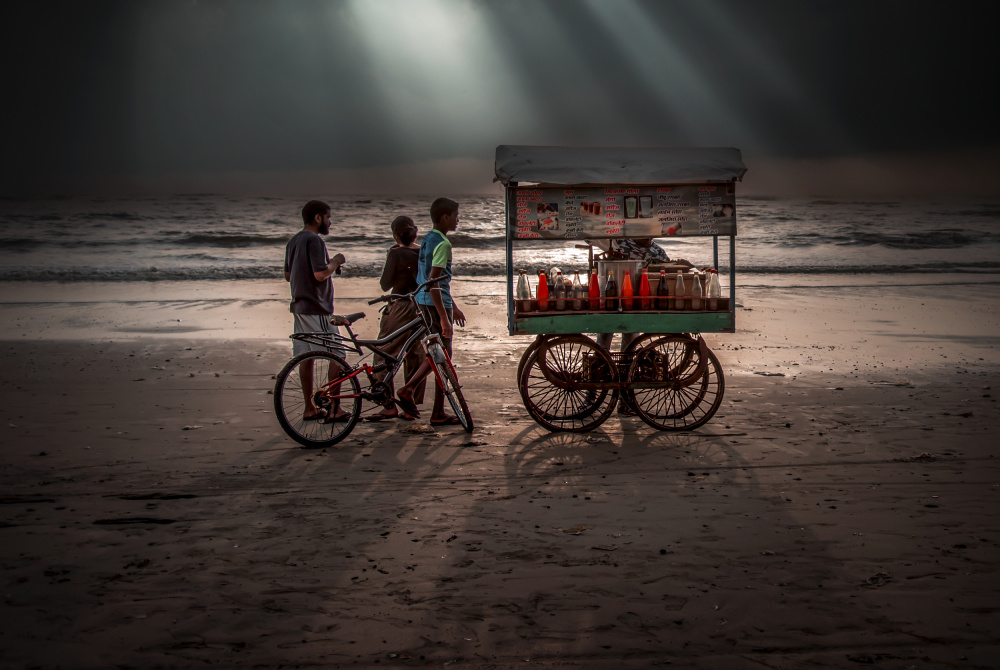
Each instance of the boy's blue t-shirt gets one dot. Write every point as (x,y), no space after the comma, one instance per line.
(435,251)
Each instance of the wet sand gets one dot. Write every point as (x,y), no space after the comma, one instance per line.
(839,510)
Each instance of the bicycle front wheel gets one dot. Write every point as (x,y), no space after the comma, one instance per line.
(306,387)
(448,382)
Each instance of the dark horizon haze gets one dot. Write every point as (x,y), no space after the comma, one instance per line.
(258,96)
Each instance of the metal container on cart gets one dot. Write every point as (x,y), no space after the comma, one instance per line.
(668,376)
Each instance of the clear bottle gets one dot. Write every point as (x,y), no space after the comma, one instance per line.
(714,290)
(579,293)
(523,302)
(559,291)
(697,291)
(679,291)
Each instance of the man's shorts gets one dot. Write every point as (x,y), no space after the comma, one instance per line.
(315,323)
(432,315)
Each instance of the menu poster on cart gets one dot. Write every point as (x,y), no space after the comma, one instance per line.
(625,211)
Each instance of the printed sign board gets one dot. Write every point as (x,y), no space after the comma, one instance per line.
(624,211)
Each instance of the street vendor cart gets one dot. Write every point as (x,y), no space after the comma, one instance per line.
(667,375)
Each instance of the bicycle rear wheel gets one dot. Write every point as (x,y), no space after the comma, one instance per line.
(447,380)
(308,375)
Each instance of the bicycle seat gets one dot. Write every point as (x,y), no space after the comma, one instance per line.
(351,318)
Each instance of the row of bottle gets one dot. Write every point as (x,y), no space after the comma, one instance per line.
(558,293)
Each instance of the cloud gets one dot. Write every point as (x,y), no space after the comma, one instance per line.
(135,90)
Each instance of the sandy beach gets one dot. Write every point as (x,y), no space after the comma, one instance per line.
(839,511)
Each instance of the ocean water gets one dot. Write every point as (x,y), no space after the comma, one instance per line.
(201,237)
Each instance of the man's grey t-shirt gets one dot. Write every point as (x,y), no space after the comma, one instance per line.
(304,255)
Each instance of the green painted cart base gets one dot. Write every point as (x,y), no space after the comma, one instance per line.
(624,322)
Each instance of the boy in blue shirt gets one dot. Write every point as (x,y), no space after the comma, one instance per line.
(436,303)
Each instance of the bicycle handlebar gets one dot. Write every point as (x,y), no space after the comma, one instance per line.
(391,297)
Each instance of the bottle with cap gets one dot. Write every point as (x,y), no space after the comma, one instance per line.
(543,292)
(627,291)
(644,290)
(679,291)
(594,291)
(524,301)
(662,291)
(714,290)
(559,291)
(611,293)
(578,291)
(696,291)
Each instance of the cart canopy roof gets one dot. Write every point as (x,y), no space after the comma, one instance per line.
(607,165)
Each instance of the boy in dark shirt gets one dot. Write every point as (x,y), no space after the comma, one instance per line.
(399,276)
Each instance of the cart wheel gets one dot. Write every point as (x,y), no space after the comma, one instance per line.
(525,357)
(633,346)
(551,379)
(693,382)
(686,362)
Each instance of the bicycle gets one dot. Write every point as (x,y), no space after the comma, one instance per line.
(294,394)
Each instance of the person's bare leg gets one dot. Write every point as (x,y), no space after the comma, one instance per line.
(437,413)
(389,408)
(405,391)
(306,377)
(335,372)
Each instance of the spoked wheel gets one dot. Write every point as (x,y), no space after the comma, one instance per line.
(525,358)
(560,384)
(674,382)
(448,382)
(307,376)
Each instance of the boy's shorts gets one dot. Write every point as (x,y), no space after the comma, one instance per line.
(315,323)
(432,315)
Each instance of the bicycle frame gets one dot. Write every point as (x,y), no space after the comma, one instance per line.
(298,376)
(368,369)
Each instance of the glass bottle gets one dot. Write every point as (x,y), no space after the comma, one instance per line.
(578,291)
(523,292)
(679,291)
(644,289)
(714,290)
(559,291)
(696,291)
(543,292)
(594,291)
(627,291)
(662,291)
(611,293)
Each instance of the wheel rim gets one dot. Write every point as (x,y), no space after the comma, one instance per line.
(455,397)
(571,359)
(290,404)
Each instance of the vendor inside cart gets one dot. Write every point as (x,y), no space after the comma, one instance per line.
(642,249)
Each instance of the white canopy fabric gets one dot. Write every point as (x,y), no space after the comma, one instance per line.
(605,165)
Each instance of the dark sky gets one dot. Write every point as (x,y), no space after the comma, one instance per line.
(213,95)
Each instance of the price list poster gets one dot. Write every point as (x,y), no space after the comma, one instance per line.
(625,211)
